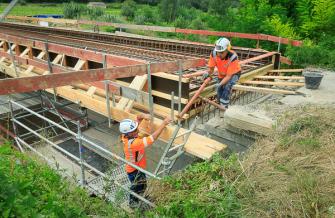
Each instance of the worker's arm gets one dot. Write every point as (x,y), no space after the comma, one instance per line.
(149,140)
(211,67)
(225,80)
(158,131)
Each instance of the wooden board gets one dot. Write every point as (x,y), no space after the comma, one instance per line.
(157,93)
(171,77)
(287,71)
(280,77)
(79,64)
(138,84)
(258,72)
(263,90)
(57,59)
(274,83)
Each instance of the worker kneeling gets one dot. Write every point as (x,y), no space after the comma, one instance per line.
(229,69)
(134,150)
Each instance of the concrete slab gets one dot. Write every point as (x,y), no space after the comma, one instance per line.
(216,128)
(243,118)
(324,95)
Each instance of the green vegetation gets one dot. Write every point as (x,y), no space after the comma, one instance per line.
(288,174)
(31,189)
(34,9)
(308,20)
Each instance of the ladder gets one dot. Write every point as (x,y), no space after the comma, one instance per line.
(173,151)
(8,9)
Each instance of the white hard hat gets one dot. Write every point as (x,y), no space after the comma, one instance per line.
(222,44)
(128,126)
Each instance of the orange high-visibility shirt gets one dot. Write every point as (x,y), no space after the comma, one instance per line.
(134,151)
(228,66)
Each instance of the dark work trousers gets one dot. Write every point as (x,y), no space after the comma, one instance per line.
(138,182)
(224,92)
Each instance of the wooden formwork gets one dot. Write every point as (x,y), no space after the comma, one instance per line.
(29,66)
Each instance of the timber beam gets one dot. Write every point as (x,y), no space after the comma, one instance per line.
(28,84)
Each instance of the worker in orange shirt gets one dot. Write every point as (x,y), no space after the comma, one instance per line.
(229,69)
(134,150)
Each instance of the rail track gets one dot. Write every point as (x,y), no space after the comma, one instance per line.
(146,49)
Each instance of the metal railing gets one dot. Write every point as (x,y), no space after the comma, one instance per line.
(80,160)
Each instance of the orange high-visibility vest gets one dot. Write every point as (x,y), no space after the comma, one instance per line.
(134,151)
(229,66)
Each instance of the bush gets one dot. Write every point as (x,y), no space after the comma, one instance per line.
(314,55)
(94,13)
(146,15)
(128,9)
(73,10)
(111,18)
(30,189)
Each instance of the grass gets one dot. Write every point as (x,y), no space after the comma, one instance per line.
(288,174)
(31,189)
(34,9)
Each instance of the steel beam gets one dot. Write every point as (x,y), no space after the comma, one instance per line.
(28,84)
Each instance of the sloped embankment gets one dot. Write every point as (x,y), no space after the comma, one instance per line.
(290,173)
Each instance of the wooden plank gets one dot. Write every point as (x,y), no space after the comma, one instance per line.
(167,96)
(274,83)
(12,48)
(159,110)
(90,92)
(263,90)
(259,57)
(41,55)
(57,59)
(156,93)
(287,71)
(280,77)
(25,52)
(79,65)
(138,84)
(29,69)
(171,76)
(258,72)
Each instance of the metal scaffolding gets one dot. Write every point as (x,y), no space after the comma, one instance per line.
(84,166)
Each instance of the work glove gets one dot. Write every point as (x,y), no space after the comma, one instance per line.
(205,76)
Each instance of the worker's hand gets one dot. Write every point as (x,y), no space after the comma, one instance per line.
(167,120)
(205,76)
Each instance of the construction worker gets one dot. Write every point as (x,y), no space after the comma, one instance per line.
(134,150)
(229,69)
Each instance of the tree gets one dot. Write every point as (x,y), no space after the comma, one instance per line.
(128,9)
(168,9)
